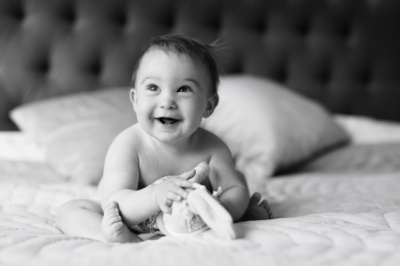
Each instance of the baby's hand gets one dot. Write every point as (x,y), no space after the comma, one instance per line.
(173,188)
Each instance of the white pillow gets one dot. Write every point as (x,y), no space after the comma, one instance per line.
(269,127)
(78,150)
(17,146)
(76,130)
(41,118)
(364,130)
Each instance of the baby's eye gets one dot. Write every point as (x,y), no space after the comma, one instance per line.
(152,87)
(184,89)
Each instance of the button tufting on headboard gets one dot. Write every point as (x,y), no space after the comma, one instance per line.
(342,53)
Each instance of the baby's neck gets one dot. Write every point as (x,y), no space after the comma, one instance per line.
(174,147)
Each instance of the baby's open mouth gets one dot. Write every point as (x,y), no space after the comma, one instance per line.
(167,120)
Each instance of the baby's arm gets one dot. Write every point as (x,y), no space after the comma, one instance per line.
(235,195)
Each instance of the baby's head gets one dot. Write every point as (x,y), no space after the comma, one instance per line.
(174,87)
(201,54)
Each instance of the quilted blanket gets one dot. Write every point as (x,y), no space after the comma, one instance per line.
(319,220)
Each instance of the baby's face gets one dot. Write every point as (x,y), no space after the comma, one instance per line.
(171,95)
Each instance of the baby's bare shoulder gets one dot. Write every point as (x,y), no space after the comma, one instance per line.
(208,136)
(130,134)
(130,137)
(209,139)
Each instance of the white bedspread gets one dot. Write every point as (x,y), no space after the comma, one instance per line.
(321,220)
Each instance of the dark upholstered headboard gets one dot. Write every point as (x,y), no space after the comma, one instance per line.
(343,53)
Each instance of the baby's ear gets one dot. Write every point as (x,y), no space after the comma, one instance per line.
(132,97)
(212,103)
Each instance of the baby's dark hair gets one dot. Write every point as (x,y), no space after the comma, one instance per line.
(203,54)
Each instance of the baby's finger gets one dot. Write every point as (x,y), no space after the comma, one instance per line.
(202,171)
(173,196)
(166,206)
(188,174)
(184,183)
(181,192)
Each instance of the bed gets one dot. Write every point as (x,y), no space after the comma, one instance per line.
(309,108)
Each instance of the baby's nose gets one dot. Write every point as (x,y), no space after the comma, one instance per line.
(168,102)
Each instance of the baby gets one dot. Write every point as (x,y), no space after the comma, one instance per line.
(174,88)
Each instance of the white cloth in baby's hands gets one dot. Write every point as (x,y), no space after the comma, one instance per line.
(200,211)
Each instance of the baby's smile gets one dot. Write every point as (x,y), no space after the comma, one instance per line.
(167,120)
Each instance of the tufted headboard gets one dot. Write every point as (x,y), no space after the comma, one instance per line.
(343,53)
